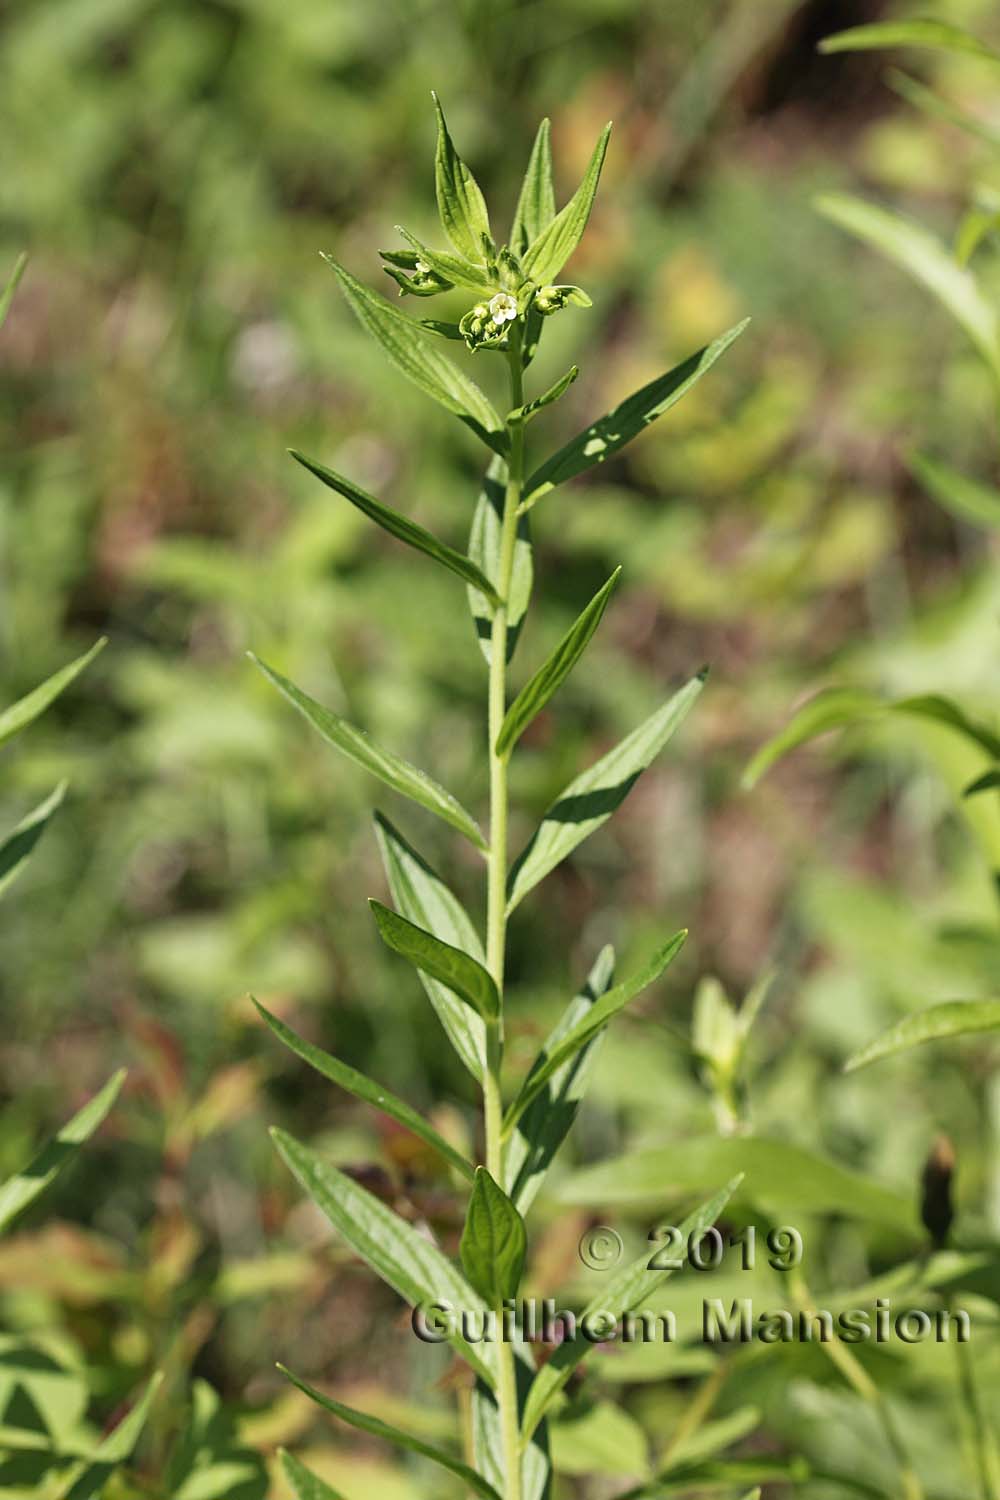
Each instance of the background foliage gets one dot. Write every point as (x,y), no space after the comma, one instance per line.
(174,169)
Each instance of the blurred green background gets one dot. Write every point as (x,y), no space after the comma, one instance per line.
(174,169)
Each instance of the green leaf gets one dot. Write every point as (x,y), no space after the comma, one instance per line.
(836,708)
(414,351)
(25,1186)
(27,709)
(451,267)
(356,745)
(782,1180)
(18,845)
(376,1428)
(548,679)
(927,260)
(924,99)
(450,966)
(494,1242)
(364,1088)
(487,1433)
(484,549)
(7,295)
(549,251)
(305,1484)
(988,782)
(965,498)
(401,528)
(557,389)
(461,205)
(590,800)
(404,1258)
(624,1293)
(113,1450)
(939,36)
(591,1023)
(424,898)
(536,203)
(546,1122)
(950,1018)
(605,437)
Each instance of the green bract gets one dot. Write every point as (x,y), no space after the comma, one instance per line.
(514,290)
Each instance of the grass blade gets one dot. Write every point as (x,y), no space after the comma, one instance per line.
(364,1088)
(450,966)
(400,527)
(17,846)
(305,1484)
(536,203)
(552,247)
(935,1024)
(391,769)
(27,709)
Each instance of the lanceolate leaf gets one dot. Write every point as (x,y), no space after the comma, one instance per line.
(18,845)
(404,1258)
(494,1241)
(400,527)
(920,253)
(452,267)
(461,205)
(591,799)
(305,1484)
(7,295)
(546,1122)
(376,1428)
(536,204)
(422,896)
(625,1293)
(484,549)
(415,352)
(609,434)
(939,36)
(557,389)
(592,1022)
(27,709)
(536,694)
(364,1088)
(24,1187)
(449,966)
(951,1018)
(356,745)
(967,499)
(552,247)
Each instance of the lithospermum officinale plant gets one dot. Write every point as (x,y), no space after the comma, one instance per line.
(513,289)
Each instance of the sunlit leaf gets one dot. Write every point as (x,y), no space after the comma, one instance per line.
(391,769)
(452,268)
(484,549)
(549,251)
(494,1241)
(536,203)
(25,1186)
(537,692)
(379,1429)
(591,799)
(450,966)
(937,1022)
(401,527)
(593,1021)
(364,1088)
(19,843)
(939,36)
(27,709)
(461,205)
(403,1257)
(422,896)
(609,434)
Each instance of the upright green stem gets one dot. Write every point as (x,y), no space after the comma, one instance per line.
(496,897)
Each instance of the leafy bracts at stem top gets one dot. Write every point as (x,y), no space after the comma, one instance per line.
(461,967)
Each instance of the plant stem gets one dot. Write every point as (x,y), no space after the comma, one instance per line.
(985,1449)
(496,896)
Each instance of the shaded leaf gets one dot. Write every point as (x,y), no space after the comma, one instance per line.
(113,1450)
(461,205)
(965,498)
(305,1484)
(494,1242)
(18,844)
(950,1018)
(593,1021)
(549,251)
(939,36)
(400,527)
(537,692)
(424,898)
(593,796)
(25,1186)
(414,351)
(376,1428)
(605,437)
(404,1258)
(484,549)
(536,203)
(450,966)
(364,1088)
(356,745)
(7,295)
(924,99)
(27,709)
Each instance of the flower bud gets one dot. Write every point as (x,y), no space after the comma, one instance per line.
(936,1208)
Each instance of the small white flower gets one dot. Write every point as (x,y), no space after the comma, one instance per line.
(422,268)
(503,308)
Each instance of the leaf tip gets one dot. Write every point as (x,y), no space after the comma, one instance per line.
(702,673)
